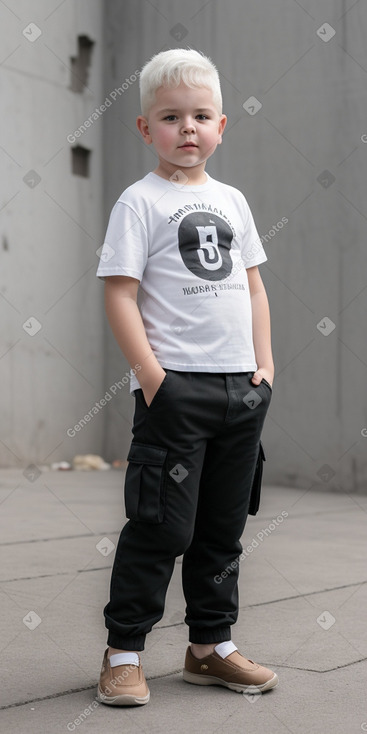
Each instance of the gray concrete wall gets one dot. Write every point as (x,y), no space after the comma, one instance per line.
(310,79)
(52,342)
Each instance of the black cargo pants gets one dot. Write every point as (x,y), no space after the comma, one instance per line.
(187,490)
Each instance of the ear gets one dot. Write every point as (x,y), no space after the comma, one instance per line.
(221,125)
(143,127)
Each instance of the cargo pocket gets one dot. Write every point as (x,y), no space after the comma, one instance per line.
(145,483)
(256,484)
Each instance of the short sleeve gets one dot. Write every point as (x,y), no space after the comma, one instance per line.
(253,252)
(125,249)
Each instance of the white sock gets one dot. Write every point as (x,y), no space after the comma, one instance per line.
(225,648)
(124,658)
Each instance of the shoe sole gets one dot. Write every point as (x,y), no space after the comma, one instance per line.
(210,680)
(122,700)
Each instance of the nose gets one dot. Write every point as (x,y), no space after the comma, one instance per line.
(188,126)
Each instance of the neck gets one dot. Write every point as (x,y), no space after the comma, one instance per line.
(195,176)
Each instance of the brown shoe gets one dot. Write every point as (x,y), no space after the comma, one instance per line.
(123,685)
(214,670)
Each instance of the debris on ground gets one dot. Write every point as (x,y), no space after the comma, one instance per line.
(119,464)
(61,466)
(85,462)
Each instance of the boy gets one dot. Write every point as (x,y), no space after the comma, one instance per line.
(188,308)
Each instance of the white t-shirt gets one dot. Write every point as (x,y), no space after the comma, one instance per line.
(189,246)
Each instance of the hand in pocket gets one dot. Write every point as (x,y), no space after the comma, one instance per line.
(150,390)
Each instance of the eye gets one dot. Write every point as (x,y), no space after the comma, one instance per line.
(203,117)
(170,118)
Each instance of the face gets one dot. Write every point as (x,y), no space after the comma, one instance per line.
(185,129)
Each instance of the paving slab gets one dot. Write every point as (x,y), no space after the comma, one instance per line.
(311,703)
(303,594)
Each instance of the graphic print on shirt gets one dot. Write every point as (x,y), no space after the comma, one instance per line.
(205,241)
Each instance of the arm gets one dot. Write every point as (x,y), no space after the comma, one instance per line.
(261,330)
(128,329)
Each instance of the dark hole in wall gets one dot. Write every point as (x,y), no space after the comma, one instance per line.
(80,64)
(80,161)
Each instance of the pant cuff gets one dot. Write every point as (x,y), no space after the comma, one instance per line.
(126,643)
(201,636)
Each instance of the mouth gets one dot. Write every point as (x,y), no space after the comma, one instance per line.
(188,145)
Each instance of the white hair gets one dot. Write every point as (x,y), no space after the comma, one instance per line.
(169,68)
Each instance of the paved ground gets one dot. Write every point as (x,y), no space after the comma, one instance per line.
(303,597)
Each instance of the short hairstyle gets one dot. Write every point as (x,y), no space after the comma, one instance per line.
(169,68)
